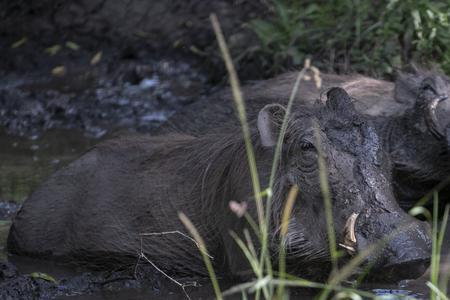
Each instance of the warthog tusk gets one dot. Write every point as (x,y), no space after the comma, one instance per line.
(431,119)
(349,248)
(349,229)
(349,233)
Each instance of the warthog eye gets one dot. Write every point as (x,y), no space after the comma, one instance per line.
(305,145)
(427,86)
(307,161)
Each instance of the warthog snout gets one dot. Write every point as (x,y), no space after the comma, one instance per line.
(397,245)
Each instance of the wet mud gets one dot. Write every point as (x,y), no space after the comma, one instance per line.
(118,93)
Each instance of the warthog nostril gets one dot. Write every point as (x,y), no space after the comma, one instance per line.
(349,234)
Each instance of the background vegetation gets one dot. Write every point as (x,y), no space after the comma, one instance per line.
(372,37)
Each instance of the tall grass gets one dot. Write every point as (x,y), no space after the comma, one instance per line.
(268,283)
(438,238)
(206,258)
(240,107)
(326,194)
(324,186)
(283,232)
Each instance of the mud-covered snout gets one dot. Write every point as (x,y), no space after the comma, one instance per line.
(397,245)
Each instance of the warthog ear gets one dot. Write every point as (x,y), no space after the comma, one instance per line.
(407,87)
(433,90)
(339,100)
(412,68)
(270,119)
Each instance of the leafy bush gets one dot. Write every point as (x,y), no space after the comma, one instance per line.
(372,37)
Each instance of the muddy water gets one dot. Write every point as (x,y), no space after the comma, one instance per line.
(26,162)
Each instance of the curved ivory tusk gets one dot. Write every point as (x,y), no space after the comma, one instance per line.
(431,119)
(349,233)
(348,248)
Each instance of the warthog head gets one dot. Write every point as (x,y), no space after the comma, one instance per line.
(433,90)
(365,212)
(427,92)
(419,140)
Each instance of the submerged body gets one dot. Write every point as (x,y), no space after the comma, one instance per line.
(96,208)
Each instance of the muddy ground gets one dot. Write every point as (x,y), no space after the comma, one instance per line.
(100,65)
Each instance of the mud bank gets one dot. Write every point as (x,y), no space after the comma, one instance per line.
(15,284)
(106,64)
(118,93)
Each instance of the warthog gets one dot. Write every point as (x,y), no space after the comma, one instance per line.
(96,208)
(411,116)
(417,140)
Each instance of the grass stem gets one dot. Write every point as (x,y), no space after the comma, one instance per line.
(201,244)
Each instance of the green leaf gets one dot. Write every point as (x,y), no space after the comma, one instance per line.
(53,49)
(264,30)
(43,276)
(20,42)
(72,45)
(283,14)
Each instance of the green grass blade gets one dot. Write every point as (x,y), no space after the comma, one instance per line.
(284,229)
(444,280)
(437,292)
(240,107)
(202,246)
(326,195)
(435,253)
